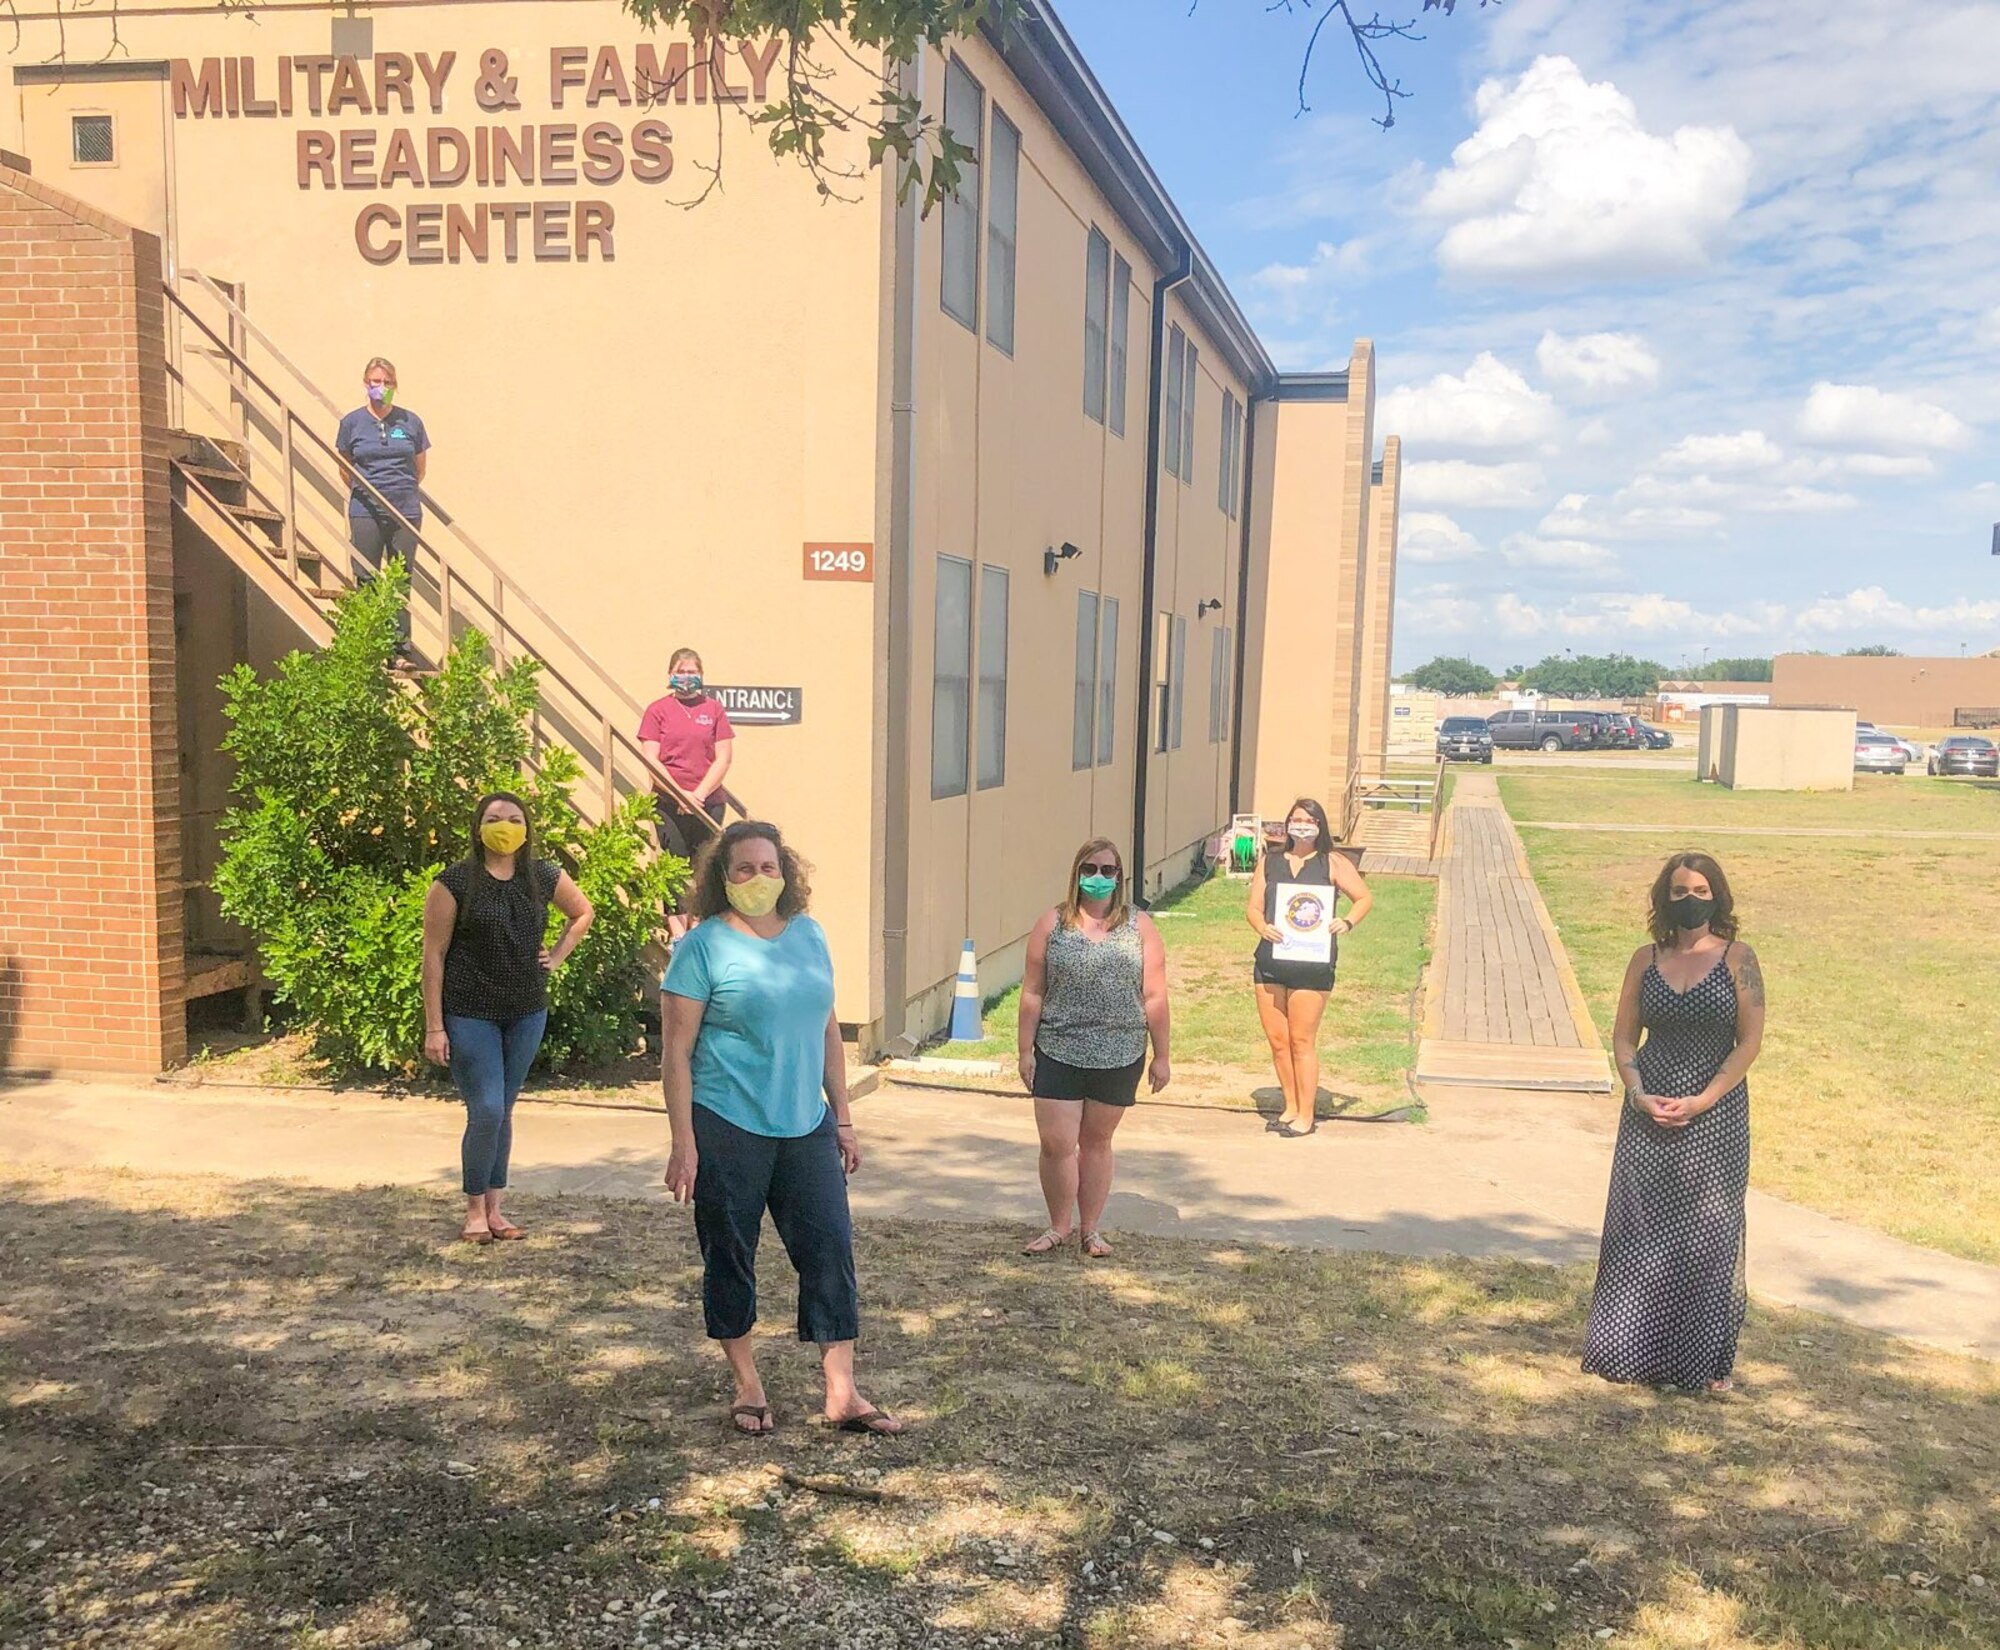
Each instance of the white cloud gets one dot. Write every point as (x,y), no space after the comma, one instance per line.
(1740,454)
(1491,407)
(1873,609)
(1861,416)
(1432,536)
(1598,363)
(1560,180)
(1578,515)
(1527,550)
(1885,464)
(1989,327)
(1796,500)
(1455,484)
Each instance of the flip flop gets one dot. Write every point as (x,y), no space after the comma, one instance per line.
(475,1237)
(864,1422)
(509,1233)
(1047,1244)
(761,1413)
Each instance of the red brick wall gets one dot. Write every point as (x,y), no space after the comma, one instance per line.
(90,898)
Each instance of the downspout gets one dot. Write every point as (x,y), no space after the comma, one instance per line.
(901,599)
(1242,602)
(1156,377)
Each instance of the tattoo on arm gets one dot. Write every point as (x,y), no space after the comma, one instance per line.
(1753,979)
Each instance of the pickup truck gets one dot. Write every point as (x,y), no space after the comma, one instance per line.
(1549,730)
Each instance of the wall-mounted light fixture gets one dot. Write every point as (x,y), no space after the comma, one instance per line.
(1052,559)
(1202,608)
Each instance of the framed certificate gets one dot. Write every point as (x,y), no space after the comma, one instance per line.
(1305,918)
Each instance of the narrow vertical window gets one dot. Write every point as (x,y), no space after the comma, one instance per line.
(1107,680)
(1162,687)
(1170,425)
(1083,739)
(1189,381)
(1223,461)
(964,110)
(1096,310)
(1003,213)
(1236,463)
(1177,672)
(951,677)
(1218,685)
(992,677)
(1121,324)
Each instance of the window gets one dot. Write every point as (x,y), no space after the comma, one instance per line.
(1003,213)
(90,140)
(1170,425)
(964,112)
(1107,679)
(1177,675)
(1187,412)
(1083,739)
(992,677)
(1121,323)
(1218,685)
(1096,307)
(1228,484)
(951,677)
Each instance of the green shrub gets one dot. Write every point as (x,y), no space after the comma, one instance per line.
(354,790)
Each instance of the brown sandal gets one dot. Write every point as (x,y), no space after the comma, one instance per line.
(509,1233)
(760,1413)
(470,1236)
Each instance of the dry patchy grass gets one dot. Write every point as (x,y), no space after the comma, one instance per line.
(232,1413)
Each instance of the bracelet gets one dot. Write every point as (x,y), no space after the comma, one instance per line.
(839,1126)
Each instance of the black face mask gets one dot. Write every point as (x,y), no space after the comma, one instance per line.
(1690,910)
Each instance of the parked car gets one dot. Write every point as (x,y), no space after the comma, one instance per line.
(1550,730)
(1655,739)
(1620,731)
(1965,753)
(1878,753)
(1465,739)
(1911,749)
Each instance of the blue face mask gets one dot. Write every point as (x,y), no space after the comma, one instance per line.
(685,683)
(1097,887)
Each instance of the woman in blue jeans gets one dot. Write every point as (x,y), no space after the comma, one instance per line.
(756,1086)
(486,995)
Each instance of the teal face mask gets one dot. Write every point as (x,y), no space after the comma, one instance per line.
(1097,887)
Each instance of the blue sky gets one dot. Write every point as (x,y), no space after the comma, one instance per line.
(1688,313)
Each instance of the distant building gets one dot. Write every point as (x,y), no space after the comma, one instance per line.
(1895,692)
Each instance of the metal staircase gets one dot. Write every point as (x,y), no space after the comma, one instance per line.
(261,482)
(264,484)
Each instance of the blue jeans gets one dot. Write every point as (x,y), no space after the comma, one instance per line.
(489,1063)
(738,1175)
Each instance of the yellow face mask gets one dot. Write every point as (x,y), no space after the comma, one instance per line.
(503,836)
(758,897)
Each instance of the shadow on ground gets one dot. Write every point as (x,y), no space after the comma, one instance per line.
(255,1414)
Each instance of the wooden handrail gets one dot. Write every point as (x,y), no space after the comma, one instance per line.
(612,740)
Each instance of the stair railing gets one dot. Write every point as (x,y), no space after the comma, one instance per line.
(621,764)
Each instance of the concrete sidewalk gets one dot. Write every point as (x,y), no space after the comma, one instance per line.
(1494,1174)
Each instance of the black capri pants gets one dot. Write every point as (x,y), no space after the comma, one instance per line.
(738,1175)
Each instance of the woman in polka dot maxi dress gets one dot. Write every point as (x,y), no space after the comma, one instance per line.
(1670,1290)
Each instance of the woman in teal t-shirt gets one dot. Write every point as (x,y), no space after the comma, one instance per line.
(756,1085)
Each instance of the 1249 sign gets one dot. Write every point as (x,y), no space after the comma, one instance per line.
(851,563)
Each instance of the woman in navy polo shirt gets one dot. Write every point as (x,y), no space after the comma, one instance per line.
(383,447)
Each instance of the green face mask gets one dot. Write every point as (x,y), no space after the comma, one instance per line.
(1097,887)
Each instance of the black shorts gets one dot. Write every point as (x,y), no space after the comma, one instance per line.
(1107,1085)
(1295,976)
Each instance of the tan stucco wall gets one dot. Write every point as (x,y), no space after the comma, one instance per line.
(1762,748)
(1897,692)
(645,445)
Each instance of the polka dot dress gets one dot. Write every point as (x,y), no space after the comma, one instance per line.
(1670,1290)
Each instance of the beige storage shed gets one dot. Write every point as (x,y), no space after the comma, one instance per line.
(1777,747)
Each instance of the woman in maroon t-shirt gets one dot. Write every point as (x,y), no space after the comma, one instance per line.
(688,733)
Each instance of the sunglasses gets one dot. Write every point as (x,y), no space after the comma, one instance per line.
(1108,869)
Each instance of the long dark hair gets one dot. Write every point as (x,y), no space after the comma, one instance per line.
(1722,923)
(708,894)
(1309,805)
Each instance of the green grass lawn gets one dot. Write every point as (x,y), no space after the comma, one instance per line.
(1365,1044)
(1873,1098)
(1877,802)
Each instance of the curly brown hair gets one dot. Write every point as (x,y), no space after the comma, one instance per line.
(708,892)
(1722,923)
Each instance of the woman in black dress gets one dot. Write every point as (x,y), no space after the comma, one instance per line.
(1291,996)
(1670,1290)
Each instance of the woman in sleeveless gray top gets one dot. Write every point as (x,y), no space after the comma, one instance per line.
(1093,995)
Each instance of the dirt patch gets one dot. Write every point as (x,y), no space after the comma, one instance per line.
(262,1415)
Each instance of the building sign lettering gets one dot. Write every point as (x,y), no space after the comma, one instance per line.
(588,149)
(767,707)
